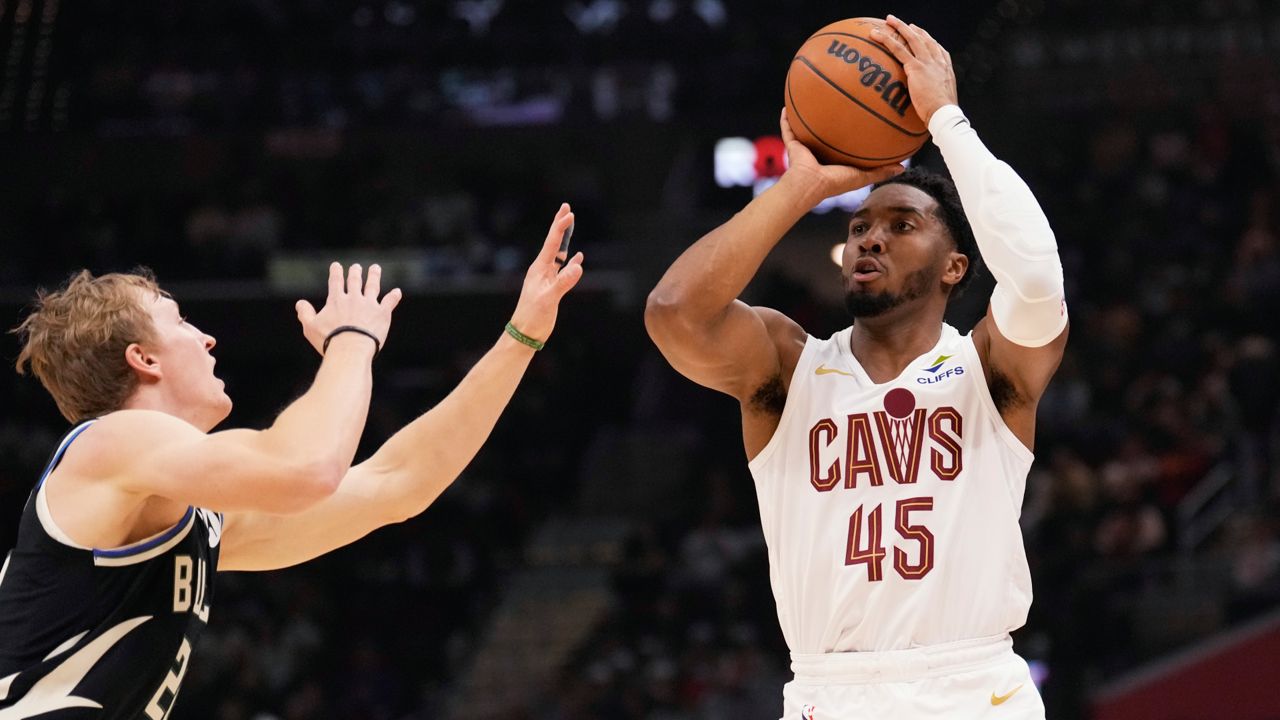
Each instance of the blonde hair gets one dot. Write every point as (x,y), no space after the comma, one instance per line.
(75,338)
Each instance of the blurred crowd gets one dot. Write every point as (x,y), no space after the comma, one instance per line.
(395,63)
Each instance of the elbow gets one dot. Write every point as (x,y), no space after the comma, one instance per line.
(325,482)
(1035,282)
(657,308)
(308,484)
(663,309)
(321,480)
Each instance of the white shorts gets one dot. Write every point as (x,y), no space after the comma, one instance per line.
(980,679)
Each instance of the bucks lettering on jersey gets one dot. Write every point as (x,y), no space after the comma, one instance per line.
(103,634)
(891,510)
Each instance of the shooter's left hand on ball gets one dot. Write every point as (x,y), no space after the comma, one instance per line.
(931,79)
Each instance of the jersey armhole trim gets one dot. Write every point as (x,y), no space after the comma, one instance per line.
(62,449)
(144,550)
(42,501)
(763,456)
(51,528)
(989,405)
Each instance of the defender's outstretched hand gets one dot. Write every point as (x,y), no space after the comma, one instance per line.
(549,278)
(835,179)
(352,301)
(931,80)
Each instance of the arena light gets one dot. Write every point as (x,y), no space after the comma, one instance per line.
(757,164)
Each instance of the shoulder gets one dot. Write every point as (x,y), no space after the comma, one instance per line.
(769,395)
(108,445)
(787,336)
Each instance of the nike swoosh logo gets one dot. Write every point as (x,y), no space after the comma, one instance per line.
(999,699)
(824,370)
(54,691)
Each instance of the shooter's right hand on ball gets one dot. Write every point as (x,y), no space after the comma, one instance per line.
(353,301)
(832,179)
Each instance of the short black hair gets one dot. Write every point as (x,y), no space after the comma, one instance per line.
(943,191)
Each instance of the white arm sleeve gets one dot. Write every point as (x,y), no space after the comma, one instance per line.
(1013,234)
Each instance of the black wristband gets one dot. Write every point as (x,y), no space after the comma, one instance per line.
(377,344)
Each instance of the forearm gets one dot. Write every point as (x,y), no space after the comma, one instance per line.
(323,426)
(1011,230)
(423,458)
(714,271)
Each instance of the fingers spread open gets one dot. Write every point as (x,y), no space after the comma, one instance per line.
(354,280)
(917,42)
(335,279)
(893,41)
(391,299)
(925,34)
(570,274)
(563,219)
(306,311)
(935,48)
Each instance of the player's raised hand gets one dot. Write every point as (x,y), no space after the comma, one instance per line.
(931,79)
(834,179)
(353,300)
(550,277)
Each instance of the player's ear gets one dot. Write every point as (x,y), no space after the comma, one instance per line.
(143,363)
(956,267)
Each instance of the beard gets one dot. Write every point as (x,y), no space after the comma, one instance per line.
(862,304)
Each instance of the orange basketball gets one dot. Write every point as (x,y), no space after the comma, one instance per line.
(847,98)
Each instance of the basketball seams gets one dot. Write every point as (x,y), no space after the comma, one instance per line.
(872,43)
(815,135)
(809,64)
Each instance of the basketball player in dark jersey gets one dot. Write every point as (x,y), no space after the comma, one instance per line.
(112,577)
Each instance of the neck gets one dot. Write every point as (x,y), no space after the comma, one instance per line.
(153,399)
(884,345)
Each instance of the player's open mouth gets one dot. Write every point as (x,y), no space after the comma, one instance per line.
(866,270)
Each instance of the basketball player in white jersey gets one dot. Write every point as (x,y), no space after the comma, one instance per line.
(112,578)
(889,459)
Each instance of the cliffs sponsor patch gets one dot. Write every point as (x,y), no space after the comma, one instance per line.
(937,373)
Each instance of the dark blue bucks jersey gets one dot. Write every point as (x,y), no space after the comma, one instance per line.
(103,634)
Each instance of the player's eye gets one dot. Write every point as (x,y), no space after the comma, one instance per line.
(904,226)
(857,229)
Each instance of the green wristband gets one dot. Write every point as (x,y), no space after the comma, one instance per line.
(535,344)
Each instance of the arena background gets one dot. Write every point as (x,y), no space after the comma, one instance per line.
(602,556)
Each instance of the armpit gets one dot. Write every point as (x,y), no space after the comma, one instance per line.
(770,397)
(1003,392)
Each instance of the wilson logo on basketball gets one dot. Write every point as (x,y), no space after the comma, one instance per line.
(873,75)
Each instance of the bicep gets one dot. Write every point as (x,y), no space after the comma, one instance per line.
(735,354)
(158,455)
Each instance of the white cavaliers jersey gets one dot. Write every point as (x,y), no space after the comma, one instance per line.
(891,510)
